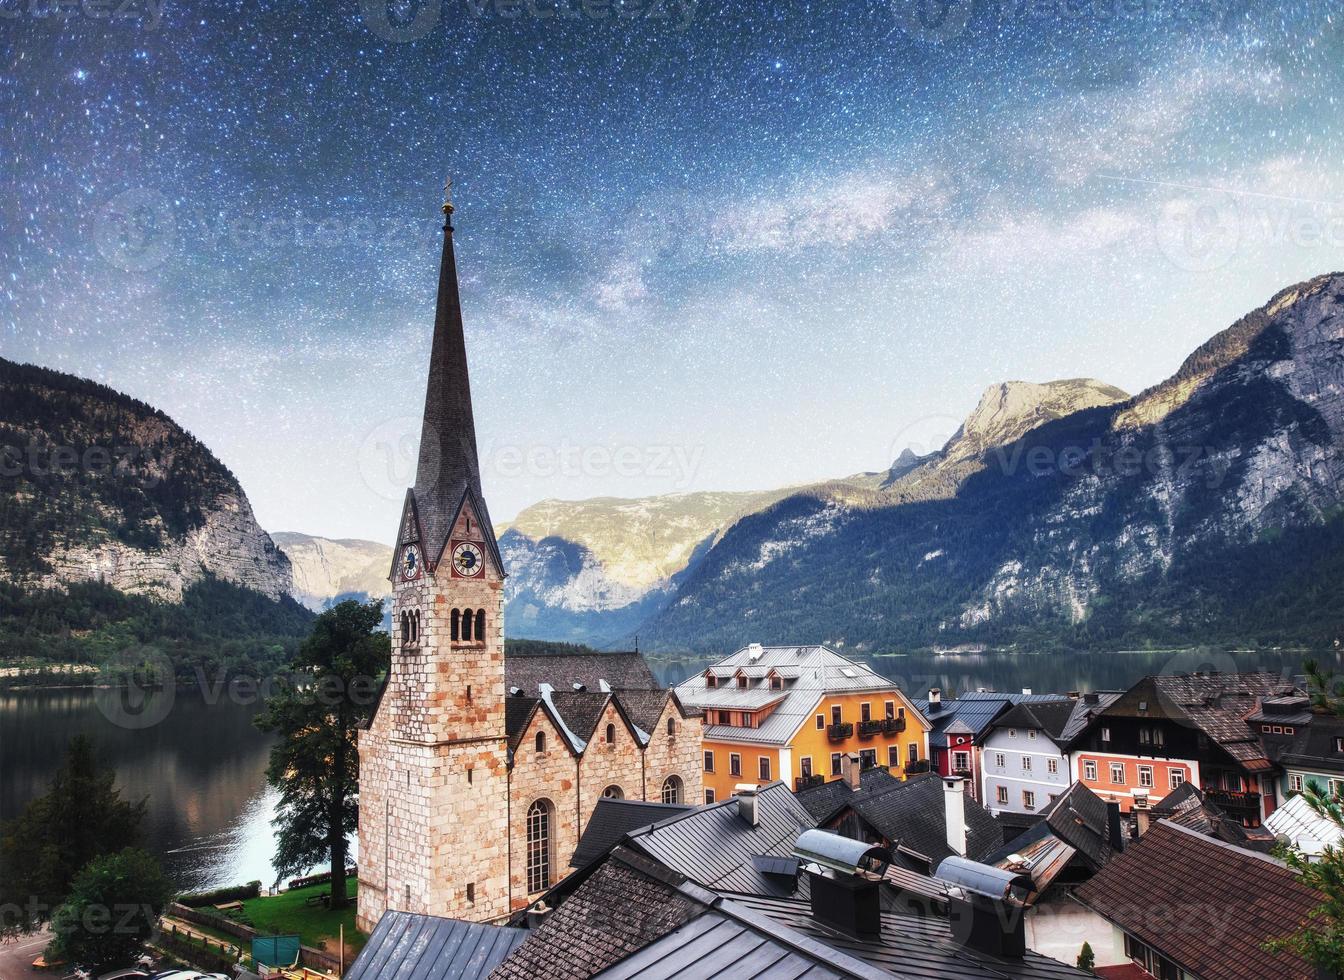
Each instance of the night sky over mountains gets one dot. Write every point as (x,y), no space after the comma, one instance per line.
(702,245)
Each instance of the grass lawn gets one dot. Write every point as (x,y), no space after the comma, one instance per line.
(317,926)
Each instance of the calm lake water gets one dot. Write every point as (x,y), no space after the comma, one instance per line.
(202,766)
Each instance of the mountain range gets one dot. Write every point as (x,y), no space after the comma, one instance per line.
(1065,514)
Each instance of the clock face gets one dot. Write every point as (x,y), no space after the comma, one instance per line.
(468,560)
(410,562)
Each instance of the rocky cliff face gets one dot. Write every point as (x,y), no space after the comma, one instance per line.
(97,486)
(1207,507)
(327,570)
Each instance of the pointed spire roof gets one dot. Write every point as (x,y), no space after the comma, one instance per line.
(448,466)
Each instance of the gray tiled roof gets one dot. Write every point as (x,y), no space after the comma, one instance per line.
(714,845)
(810,672)
(406,946)
(824,801)
(1051,717)
(975,713)
(563,670)
(911,946)
(913,815)
(612,820)
(1083,713)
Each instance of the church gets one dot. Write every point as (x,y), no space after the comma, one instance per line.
(479,771)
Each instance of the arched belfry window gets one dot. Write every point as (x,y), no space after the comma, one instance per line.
(539,846)
(467,634)
(672,789)
(457,625)
(405,629)
(480,625)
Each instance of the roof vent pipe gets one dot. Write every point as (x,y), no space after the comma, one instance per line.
(746,803)
(935,696)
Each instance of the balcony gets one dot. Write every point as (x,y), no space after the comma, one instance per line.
(893,726)
(867,729)
(1230,800)
(803,782)
(917,767)
(840,732)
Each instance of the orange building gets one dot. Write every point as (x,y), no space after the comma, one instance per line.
(792,713)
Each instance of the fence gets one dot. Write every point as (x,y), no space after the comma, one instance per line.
(312,958)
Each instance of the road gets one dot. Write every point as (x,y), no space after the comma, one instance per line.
(16,958)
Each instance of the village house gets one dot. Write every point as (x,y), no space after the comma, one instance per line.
(1185,906)
(477,770)
(1170,729)
(793,713)
(1025,762)
(958,725)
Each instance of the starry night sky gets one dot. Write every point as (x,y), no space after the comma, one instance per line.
(702,245)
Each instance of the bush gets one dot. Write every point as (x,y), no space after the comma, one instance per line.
(234,893)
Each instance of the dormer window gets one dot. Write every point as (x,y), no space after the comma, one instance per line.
(777,683)
(711,681)
(741,681)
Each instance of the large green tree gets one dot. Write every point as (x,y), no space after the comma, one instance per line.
(81,817)
(114,906)
(316,711)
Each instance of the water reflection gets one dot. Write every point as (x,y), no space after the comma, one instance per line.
(202,769)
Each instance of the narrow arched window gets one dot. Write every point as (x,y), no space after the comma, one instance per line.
(457,622)
(480,625)
(539,846)
(613,793)
(405,628)
(415,626)
(672,789)
(541,741)
(466,625)
(611,734)
(671,726)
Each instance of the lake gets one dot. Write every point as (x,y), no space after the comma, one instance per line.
(202,768)
(202,764)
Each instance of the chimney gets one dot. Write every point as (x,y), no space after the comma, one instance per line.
(850,771)
(537,914)
(1143,815)
(849,903)
(746,803)
(754,651)
(986,906)
(954,805)
(1113,831)
(935,697)
(1026,691)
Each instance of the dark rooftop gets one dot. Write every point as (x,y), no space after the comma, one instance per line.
(1219,903)
(913,816)
(612,820)
(827,799)
(405,946)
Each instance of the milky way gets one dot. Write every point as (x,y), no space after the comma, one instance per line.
(702,245)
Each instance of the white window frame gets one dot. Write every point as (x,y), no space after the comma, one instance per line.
(1090,769)
(1146,776)
(1029,799)
(1001,794)
(1111,772)
(1175,778)
(1052,766)
(1295,782)
(1026,763)
(1000,760)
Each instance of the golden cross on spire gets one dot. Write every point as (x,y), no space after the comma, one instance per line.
(448,196)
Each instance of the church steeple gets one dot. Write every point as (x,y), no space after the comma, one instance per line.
(448,466)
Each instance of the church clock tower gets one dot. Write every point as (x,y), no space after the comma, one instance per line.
(433,832)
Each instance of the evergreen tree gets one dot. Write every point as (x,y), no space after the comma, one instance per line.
(82,817)
(315,764)
(114,906)
(1320,940)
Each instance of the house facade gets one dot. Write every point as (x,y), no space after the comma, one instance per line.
(1307,746)
(1025,757)
(793,713)
(477,772)
(1167,730)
